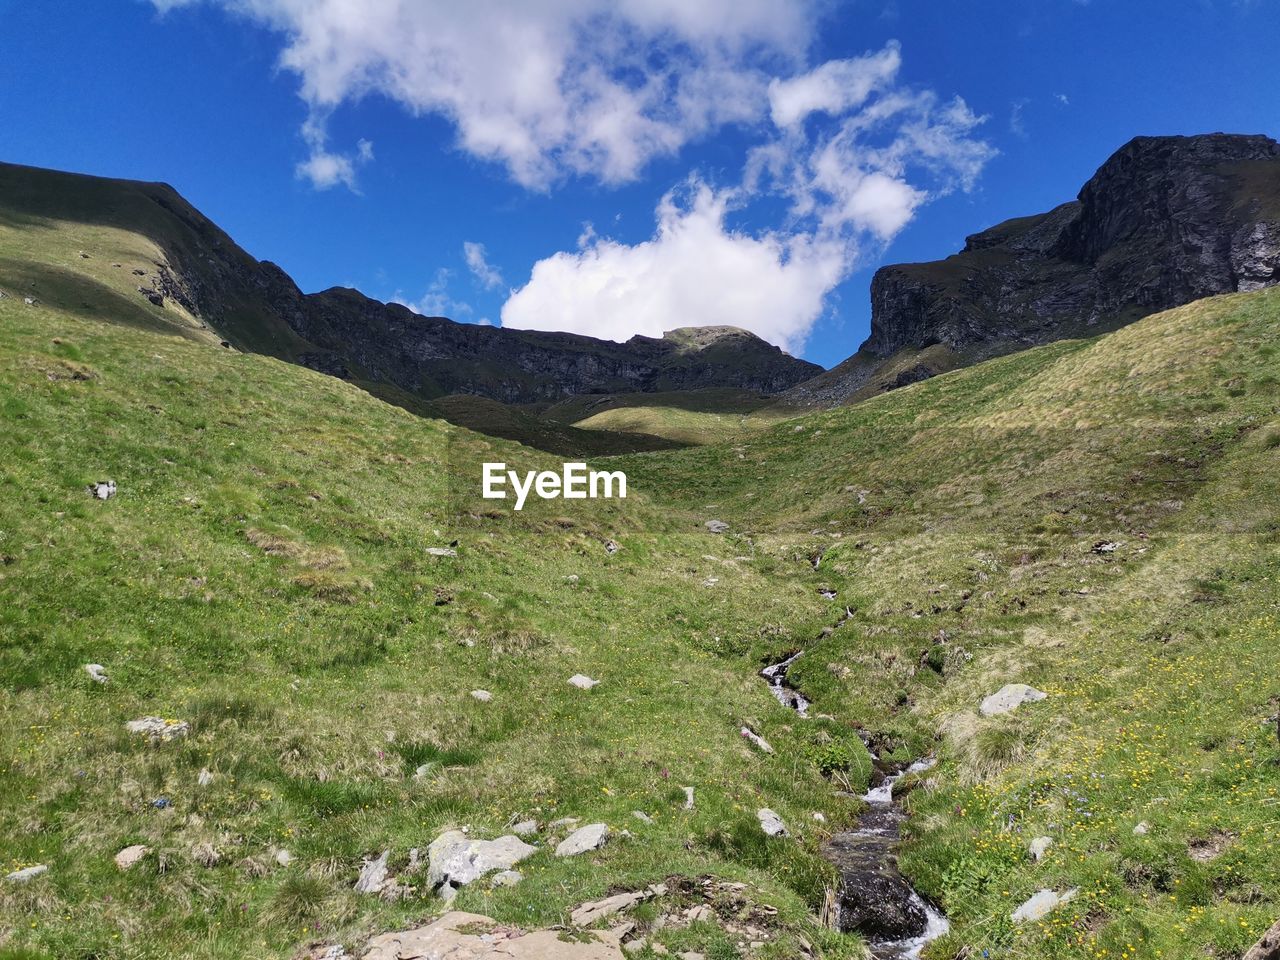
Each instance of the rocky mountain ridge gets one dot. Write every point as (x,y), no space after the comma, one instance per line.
(1163,222)
(257,307)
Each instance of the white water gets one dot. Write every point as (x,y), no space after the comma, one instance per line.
(883,794)
(775,675)
(911,949)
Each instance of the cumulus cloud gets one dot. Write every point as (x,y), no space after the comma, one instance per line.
(544,87)
(487,275)
(694,271)
(852,185)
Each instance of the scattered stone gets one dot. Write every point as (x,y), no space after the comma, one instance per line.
(525,828)
(1039,847)
(484,696)
(30,301)
(760,742)
(1009,698)
(820,817)
(154,297)
(771,823)
(562,823)
(1267,947)
(1106,546)
(583,840)
(158,728)
(690,955)
(373,875)
(699,913)
(611,547)
(1040,904)
(688,798)
(1142,829)
(716,526)
(454,859)
(470,936)
(826,593)
(96,671)
(204,778)
(582,681)
(83,255)
(589,913)
(506,878)
(284,857)
(635,946)
(103,489)
(28,873)
(441,552)
(642,816)
(127,857)
(571,578)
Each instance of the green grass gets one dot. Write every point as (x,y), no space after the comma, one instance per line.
(262,574)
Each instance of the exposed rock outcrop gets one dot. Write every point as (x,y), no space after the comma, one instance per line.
(1166,220)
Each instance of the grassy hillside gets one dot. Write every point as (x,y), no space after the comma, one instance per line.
(1098,519)
(262,574)
(684,416)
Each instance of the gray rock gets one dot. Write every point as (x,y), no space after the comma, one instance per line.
(642,816)
(525,828)
(562,823)
(484,696)
(441,552)
(103,489)
(717,526)
(455,860)
(159,729)
(760,742)
(28,873)
(204,778)
(582,681)
(1009,698)
(688,798)
(373,875)
(771,823)
(1039,847)
(284,857)
(127,857)
(583,840)
(1142,829)
(1040,904)
(96,671)
(506,878)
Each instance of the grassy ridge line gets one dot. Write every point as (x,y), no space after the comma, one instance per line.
(261,574)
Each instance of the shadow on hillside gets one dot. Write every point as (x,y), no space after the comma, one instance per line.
(81,296)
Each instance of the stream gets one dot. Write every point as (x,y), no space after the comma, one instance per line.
(873,898)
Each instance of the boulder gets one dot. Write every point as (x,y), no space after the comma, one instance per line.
(771,823)
(27,873)
(1009,698)
(103,489)
(469,936)
(583,840)
(455,860)
(1040,904)
(127,857)
(373,874)
(1268,946)
(158,728)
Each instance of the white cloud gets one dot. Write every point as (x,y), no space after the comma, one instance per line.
(326,169)
(544,87)
(436,300)
(833,88)
(488,275)
(852,185)
(693,271)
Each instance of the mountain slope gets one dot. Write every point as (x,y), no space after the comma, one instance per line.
(1165,221)
(193,274)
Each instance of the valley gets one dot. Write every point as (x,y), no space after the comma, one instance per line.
(342,652)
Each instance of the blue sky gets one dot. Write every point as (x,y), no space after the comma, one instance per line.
(622,167)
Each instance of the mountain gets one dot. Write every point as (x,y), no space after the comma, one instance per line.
(1165,221)
(196,278)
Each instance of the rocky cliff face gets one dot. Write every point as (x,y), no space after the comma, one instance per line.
(1166,220)
(255,306)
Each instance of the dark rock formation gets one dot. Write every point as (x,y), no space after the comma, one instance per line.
(257,307)
(1165,221)
(875,900)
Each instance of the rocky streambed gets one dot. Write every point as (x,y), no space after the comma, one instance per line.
(872,899)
